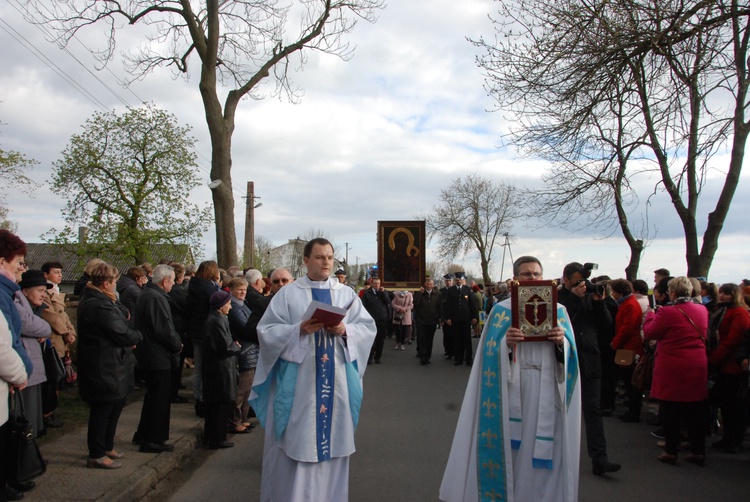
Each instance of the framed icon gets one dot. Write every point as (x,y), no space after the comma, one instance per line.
(534,305)
(401,254)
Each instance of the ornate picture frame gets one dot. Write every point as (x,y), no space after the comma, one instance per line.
(401,254)
(534,308)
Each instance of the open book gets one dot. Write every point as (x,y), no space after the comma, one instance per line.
(329,315)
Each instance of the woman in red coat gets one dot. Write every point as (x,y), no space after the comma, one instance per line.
(628,336)
(726,329)
(680,370)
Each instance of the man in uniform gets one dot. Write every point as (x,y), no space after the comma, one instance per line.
(460,315)
(448,343)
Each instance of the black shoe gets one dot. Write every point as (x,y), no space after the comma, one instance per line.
(52,422)
(468,363)
(200,409)
(424,363)
(658,433)
(218,446)
(155,447)
(22,487)
(180,400)
(601,468)
(11,494)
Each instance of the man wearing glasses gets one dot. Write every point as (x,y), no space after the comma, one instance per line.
(523,442)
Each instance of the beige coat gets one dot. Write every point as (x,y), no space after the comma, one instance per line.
(55,315)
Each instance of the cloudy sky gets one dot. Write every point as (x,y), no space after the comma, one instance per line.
(373,138)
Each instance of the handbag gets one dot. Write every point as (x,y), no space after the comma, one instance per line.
(53,365)
(624,357)
(25,461)
(643,372)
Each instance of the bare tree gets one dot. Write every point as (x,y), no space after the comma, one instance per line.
(472,214)
(596,86)
(237,43)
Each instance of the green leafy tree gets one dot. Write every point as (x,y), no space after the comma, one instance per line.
(127,178)
(13,169)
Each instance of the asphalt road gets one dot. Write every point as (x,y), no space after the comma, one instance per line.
(404,437)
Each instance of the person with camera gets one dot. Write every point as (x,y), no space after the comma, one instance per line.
(590,318)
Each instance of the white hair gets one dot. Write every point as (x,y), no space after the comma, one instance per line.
(253,275)
(161,272)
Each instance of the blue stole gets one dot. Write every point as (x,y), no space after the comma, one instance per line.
(324,381)
(491,444)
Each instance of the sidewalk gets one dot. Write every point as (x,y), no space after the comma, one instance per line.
(67,477)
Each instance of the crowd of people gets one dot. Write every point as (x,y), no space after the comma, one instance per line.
(250,341)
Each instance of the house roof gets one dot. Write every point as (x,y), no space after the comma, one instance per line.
(73,264)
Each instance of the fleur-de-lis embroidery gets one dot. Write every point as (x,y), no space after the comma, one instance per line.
(493,495)
(489,436)
(323,408)
(489,406)
(491,344)
(324,359)
(490,375)
(491,467)
(501,319)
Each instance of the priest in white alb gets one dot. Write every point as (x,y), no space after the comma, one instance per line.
(518,433)
(307,389)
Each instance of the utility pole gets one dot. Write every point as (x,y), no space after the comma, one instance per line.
(249,250)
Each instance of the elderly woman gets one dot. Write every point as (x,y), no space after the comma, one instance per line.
(12,374)
(402,303)
(105,362)
(12,251)
(726,329)
(34,332)
(628,336)
(219,371)
(239,316)
(680,370)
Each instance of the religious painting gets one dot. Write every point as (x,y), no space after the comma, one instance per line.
(534,308)
(401,254)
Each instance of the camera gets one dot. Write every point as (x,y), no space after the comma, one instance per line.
(593,289)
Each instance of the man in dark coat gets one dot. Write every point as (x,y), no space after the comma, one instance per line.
(160,343)
(428,311)
(460,315)
(447,328)
(255,285)
(589,317)
(376,301)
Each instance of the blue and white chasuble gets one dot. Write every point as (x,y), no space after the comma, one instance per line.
(518,434)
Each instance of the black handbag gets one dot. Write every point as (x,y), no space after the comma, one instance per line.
(25,461)
(53,365)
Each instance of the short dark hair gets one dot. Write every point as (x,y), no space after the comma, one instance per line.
(50,265)
(319,241)
(621,286)
(136,273)
(572,268)
(525,259)
(640,286)
(662,271)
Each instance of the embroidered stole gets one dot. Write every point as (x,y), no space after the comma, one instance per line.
(324,382)
(492,475)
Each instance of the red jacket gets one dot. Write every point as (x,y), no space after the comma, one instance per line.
(732,329)
(628,326)
(680,368)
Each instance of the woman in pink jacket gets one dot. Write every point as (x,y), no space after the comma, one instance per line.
(402,304)
(680,370)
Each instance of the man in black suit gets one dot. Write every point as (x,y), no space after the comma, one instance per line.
(428,312)
(460,314)
(447,328)
(377,302)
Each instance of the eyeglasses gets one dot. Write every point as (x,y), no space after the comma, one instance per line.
(280,281)
(23,264)
(531,275)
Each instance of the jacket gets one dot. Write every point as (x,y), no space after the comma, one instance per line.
(33,327)
(428,308)
(219,360)
(402,303)
(459,304)
(244,332)
(129,293)
(58,319)
(734,324)
(154,320)
(376,303)
(178,303)
(590,320)
(680,367)
(105,354)
(199,295)
(8,290)
(628,326)
(12,370)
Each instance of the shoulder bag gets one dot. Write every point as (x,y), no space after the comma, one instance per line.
(25,461)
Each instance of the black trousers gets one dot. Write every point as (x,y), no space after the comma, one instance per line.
(425,335)
(155,414)
(448,340)
(4,447)
(592,419)
(693,415)
(217,417)
(463,350)
(103,418)
(732,408)
(377,347)
(635,396)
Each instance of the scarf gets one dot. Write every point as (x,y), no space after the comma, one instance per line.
(111,296)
